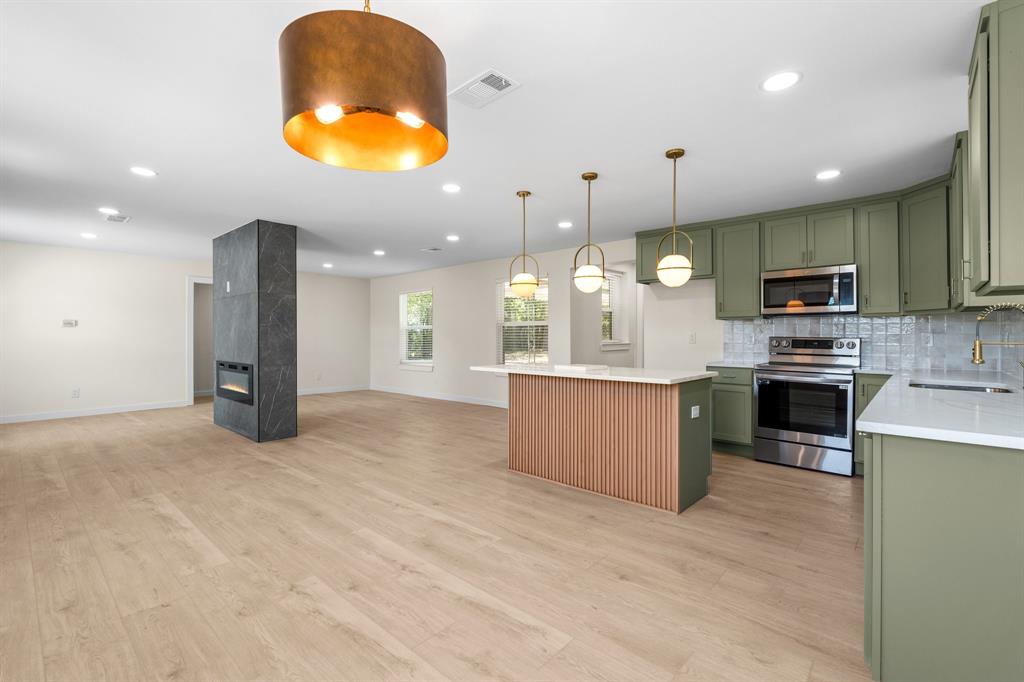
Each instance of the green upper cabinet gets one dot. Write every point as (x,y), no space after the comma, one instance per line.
(809,241)
(737,271)
(878,258)
(785,243)
(830,238)
(924,255)
(647,258)
(995,160)
(961,243)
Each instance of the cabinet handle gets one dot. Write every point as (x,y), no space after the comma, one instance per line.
(803,257)
(906,298)
(810,256)
(719,306)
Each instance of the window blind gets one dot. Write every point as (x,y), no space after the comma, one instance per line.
(416,318)
(522,326)
(614,323)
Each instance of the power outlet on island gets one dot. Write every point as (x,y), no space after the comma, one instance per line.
(695,412)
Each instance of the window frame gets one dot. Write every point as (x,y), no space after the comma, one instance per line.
(501,323)
(403,329)
(617,309)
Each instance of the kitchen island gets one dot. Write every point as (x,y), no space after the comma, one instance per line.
(640,435)
(944,527)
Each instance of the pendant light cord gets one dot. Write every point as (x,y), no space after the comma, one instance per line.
(524,229)
(675,191)
(366,5)
(589,182)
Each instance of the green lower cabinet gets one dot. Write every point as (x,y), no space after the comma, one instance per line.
(943,551)
(866,387)
(731,413)
(878,258)
(830,238)
(647,252)
(924,250)
(738,271)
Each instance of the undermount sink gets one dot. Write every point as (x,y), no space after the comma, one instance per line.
(951,387)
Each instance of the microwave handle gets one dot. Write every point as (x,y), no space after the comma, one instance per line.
(834,381)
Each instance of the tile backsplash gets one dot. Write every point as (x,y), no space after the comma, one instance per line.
(890,343)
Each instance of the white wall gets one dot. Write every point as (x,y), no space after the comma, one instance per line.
(587,347)
(130,348)
(333,333)
(202,339)
(465,325)
(670,316)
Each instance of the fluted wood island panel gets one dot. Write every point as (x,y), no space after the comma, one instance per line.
(633,441)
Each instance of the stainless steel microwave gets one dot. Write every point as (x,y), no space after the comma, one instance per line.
(809,291)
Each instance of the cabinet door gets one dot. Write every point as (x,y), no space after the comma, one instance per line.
(867,387)
(924,251)
(703,252)
(785,243)
(878,259)
(956,227)
(646,259)
(977,150)
(731,413)
(830,238)
(737,271)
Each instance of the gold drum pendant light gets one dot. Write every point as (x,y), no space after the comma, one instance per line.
(363,91)
(674,269)
(588,277)
(524,283)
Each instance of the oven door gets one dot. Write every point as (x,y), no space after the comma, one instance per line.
(814,409)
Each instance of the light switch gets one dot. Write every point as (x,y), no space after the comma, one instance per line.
(694,411)
(227,283)
(693,337)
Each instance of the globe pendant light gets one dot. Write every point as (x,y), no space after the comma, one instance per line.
(524,283)
(363,91)
(674,270)
(588,277)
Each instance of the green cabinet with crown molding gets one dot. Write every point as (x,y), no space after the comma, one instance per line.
(647,258)
(924,250)
(878,258)
(809,241)
(737,271)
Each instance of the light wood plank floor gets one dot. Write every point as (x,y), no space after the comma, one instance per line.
(388,541)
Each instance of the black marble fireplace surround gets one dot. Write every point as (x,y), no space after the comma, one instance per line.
(254,325)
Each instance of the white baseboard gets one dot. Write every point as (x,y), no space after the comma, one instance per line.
(67,414)
(316,390)
(442,396)
(202,394)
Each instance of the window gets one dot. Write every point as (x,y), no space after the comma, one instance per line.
(614,318)
(416,317)
(522,326)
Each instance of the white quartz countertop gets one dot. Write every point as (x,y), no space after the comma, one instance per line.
(630,374)
(993,419)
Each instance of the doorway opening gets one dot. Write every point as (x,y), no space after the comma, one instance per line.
(201,371)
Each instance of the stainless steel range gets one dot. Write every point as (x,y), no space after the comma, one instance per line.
(803,403)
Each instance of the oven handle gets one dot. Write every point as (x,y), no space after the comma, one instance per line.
(833,381)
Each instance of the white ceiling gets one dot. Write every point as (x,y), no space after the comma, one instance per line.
(191,89)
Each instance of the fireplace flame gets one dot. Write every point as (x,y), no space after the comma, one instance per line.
(235,387)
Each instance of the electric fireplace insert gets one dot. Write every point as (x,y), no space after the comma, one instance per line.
(234,381)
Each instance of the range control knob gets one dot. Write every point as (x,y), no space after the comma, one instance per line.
(775,343)
(839,344)
(785,343)
(851,344)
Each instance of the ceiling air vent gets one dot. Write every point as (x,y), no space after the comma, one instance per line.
(483,89)
(431,249)
(118,218)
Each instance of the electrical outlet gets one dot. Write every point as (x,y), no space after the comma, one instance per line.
(76,393)
(694,411)
(693,337)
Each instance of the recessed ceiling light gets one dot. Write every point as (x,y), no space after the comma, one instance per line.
(106,210)
(450,187)
(452,237)
(144,172)
(88,235)
(328,265)
(378,252)
(565,224)
(828,174)
(780,81)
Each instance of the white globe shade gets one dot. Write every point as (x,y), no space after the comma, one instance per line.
(674,270)
(588,278)
(524,284)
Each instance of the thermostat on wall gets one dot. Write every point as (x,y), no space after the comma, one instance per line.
(69,323)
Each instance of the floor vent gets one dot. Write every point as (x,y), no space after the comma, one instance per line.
(483,89)
(118,218)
